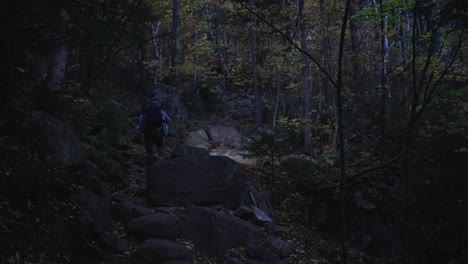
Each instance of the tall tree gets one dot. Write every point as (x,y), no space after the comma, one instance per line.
(253,63)
(307,82)
(176,26)
(58,53)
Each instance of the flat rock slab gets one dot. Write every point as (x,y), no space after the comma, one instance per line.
(204,181)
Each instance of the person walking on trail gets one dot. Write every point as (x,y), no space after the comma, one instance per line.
(153,124)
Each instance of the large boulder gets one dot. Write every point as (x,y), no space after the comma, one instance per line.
(183,150)
(165,226)
(56,142)
(228,136)
(160,251)
(198,139)
(206,181)
(215,232)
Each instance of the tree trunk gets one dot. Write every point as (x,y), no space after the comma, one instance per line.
(253,63)
(218,50)
(156,53)
(57,56)
(307,82)
(176,27)
(339,105)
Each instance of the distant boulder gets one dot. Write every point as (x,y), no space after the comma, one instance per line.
(198,139)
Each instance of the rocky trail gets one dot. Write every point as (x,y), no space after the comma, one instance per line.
(173,224)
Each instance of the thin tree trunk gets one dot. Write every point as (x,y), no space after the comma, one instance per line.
(176,25)
(253,61)
(339,105)
(156,53)
(227,71)
(58,53)
(307,82)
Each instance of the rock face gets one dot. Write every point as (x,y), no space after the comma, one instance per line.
(160,251)
(215,232)
(165,226)
(198,139)
(56,142)
(206,181)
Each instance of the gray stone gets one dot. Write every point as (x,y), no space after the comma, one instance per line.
(159,251)
(207,181)
(215,232)
(198,139)
(254,196)
(164,226)
(280,247)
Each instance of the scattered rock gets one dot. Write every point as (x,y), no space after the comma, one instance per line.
(160,251)
(215,232)
(253,214)
(274,229)
(280,247)
(159,225)
(258,199)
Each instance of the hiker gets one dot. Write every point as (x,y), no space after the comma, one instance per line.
(153,124)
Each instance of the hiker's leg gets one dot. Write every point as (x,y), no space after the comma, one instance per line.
(149,148)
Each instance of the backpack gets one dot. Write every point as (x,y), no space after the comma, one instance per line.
(153,116)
